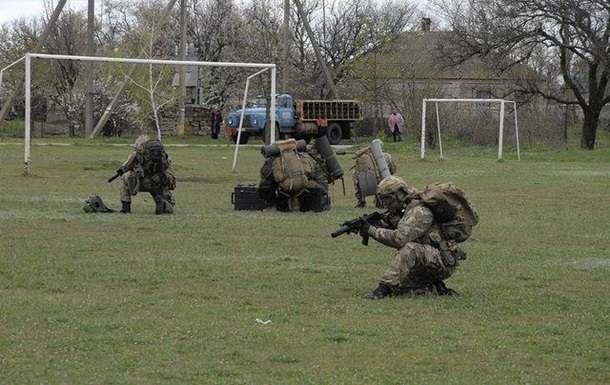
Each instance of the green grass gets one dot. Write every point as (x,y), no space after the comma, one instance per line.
(145,299)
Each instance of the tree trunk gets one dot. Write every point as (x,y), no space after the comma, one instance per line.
(589,128)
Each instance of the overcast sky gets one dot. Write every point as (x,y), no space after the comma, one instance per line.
(15,9)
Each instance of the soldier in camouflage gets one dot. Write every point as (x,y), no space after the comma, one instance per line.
(423,259)
(317,177)
(360,199)
(137,176)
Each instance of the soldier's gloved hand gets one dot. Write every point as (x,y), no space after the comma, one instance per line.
(364,229)
(120,171)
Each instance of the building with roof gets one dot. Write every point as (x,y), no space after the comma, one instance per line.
(418,64)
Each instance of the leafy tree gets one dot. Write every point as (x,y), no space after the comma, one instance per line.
(568,39)
(17,38)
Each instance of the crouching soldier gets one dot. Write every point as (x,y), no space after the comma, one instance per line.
(147,169)
(296,177)
(372,165)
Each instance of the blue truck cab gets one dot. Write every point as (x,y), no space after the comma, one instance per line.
(301,119)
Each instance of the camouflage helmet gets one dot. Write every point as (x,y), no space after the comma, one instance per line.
(95,205)
(140,141)
(394,185)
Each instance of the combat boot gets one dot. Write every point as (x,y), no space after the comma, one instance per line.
(383,290)
(162,206)
(126,207)
(442,289)
(159,205)
(167,207)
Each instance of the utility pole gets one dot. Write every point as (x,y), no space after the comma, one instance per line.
(316,48)
(286,45)
(181,80)
(89,69)
(43,39)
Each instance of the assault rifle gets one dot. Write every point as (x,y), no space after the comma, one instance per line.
(354,225)
(119,172)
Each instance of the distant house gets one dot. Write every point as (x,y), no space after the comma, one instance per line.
(415,65)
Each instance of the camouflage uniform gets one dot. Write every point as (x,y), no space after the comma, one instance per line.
(418,261)
(423,259)
(320,176)
(135,179)
(317,176)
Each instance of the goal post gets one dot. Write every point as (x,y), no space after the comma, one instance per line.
(28,68)
(241,116)
(502,103)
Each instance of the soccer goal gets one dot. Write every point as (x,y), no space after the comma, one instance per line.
(502,103)
(28,69)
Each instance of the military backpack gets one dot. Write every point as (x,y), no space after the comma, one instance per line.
(153,157)
(289,172)
(452,209)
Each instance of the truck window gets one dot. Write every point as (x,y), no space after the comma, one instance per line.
(259,101)
(284,101)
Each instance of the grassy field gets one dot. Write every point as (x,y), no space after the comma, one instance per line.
(210,295)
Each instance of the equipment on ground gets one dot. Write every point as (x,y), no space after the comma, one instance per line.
(95,204)
(245,197)
(333,167)
(380,159)
(274,149)
(371,168)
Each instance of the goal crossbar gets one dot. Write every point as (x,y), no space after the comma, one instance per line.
(502,103)
(28,68)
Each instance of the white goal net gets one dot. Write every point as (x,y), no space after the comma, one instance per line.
(502,103)
(28,69)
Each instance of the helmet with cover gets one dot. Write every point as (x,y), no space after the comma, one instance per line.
(394,190)
(140,141)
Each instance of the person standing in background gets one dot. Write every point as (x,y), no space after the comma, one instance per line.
(216,121)
(395,122)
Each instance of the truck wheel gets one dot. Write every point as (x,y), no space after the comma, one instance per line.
(242,140)
(334,133)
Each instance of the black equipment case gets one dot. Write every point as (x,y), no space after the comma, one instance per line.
(245,197)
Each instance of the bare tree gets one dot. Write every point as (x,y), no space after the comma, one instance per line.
(215,32)
(153,83)
(67,37)
(573,36)
(344,30)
